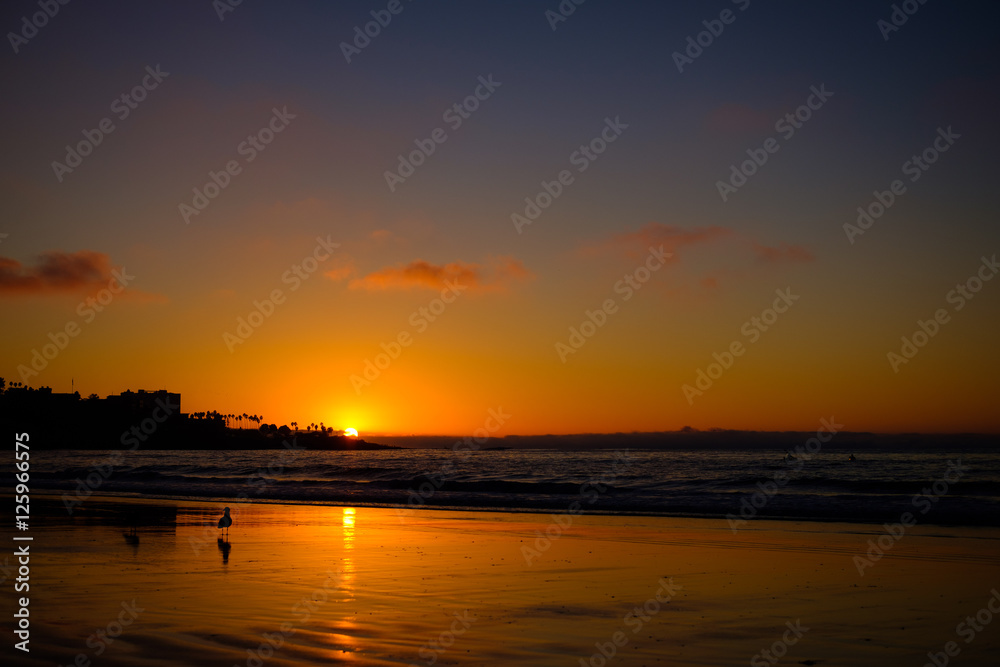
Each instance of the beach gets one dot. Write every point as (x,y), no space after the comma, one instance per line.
(148,582)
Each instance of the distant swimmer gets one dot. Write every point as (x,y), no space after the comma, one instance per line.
(851,457)
(789,456)
(226,521)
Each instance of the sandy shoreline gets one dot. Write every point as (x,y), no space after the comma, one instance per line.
(368,586)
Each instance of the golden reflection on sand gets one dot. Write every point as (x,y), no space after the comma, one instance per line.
(345,629)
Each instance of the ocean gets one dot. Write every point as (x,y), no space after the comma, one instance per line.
(937,487)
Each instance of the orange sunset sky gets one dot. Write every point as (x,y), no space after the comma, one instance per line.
(604,82)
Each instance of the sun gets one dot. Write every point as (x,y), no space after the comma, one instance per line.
(353,432)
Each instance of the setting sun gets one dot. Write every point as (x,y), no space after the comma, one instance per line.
(353,432)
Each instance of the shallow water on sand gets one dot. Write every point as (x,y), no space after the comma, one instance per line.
(309,585)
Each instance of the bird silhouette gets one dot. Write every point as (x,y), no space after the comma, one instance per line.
(226,521)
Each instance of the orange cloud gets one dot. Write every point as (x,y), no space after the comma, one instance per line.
(341,272)
(656,234)
(497,275)
(56,271)
(383,236)
(784,252)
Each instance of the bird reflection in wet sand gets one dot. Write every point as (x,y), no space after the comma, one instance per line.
(225,547)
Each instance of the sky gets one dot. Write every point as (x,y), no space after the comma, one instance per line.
(609,217)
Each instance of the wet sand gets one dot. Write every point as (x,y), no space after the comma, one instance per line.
(310,585)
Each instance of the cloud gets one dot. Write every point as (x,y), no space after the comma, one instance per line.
(341,272)
(55,271)
(58,272)
(384,236)
(656,234)
(739,119)
(727,255)
(497,275)
(673,238)
(785,252)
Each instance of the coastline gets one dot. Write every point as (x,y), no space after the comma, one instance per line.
(376,587)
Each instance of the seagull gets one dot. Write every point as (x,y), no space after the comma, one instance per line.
(226,521)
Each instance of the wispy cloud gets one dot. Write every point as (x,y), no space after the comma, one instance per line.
(345,270)
(727,255)
(655,234)
(784,252)
(731,118)
(498,274)
(385,236)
